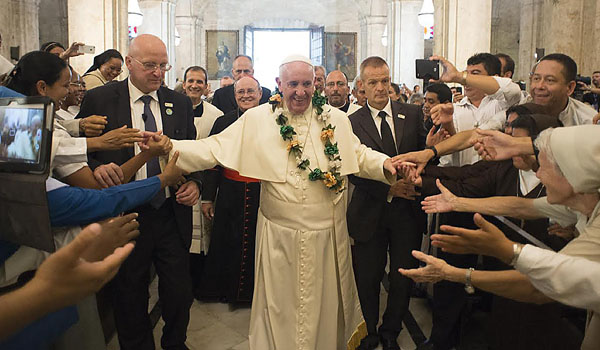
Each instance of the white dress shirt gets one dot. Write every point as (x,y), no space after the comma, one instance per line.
(576,113)
(388,110)
(137,122)
(467,116)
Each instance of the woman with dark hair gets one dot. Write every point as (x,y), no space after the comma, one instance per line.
(57,49)
(41,73)
(106,67)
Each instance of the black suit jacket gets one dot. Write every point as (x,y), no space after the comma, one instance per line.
(112,101)
(224,98)
(370,196)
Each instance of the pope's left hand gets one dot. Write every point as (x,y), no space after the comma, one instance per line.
(188,194)
(389,166)
(487,240)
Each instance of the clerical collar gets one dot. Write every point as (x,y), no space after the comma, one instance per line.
(345,107)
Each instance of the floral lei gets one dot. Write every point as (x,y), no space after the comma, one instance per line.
(332,178)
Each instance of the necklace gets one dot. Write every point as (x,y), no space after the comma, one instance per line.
(331,178)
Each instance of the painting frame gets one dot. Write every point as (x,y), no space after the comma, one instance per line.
(219,58)
(344,60)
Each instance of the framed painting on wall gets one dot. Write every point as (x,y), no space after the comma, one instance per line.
(221,48)
(340,53)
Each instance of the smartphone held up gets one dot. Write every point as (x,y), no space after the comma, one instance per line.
(428,69)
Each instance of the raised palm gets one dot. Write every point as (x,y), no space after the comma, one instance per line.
(440,203)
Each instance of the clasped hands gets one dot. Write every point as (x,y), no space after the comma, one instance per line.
(158,144)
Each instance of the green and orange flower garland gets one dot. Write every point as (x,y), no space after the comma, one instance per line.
(332,178)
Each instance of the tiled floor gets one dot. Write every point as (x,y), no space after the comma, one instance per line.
(214,326)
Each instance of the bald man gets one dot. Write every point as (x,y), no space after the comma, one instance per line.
(166,222)
(337,92)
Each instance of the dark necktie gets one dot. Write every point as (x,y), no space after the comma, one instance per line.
(153,166)
(389,147)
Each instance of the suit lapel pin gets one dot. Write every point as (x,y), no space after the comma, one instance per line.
(169,111)
(401,116)
(168,104)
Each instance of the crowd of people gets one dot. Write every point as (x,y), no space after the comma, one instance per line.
(303,197)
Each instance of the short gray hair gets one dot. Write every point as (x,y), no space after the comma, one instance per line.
(355,82)
(542,143)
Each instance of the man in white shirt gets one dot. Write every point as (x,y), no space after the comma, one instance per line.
(552,82)
(483,99)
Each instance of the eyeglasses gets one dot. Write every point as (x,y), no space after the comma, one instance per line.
(78,83)
(115,69)
(243,92)
(151,66)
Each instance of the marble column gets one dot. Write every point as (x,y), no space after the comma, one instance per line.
(405,40)
(159,19)
(372,28)
(188,51)
(462,28)
(101,23)
(19,25)
(530,30)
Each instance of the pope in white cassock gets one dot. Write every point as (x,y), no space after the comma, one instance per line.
(304,292)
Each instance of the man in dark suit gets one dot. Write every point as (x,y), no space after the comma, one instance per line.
(224,98)
(166,222)
(382,218)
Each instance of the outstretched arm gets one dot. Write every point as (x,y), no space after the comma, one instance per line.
(509,284)
(515,207)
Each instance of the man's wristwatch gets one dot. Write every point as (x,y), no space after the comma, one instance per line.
(435,152)
(464,78)
(468,286)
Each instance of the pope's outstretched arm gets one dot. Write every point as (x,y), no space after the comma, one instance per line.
(221,149)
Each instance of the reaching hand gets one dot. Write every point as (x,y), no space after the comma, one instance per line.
(109,175)
(389,166)
(92,126)
(65,277)
(433,138)
(171,175)
(420,158)
(496,145)
(404,189)
(434,271)
(116,232)
(72,51)
(188,194)
(596,119)
(487,240)
(442,113)
(156,144)
(449,74)
(440,203)
(208,210)
(122,137)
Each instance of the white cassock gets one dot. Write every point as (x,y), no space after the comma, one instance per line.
(201,227)
(305,296)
